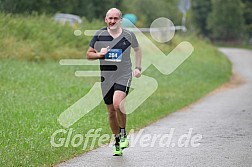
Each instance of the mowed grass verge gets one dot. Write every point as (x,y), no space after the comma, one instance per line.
(34,93)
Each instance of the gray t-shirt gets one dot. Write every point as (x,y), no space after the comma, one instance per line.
(116,67)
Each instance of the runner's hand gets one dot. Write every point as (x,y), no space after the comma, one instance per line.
(137,73)
(104,51)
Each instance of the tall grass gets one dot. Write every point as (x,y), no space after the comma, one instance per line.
(40,38)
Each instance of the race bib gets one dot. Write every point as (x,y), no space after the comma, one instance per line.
(114,55)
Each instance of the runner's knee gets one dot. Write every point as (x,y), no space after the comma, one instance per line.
(116,106)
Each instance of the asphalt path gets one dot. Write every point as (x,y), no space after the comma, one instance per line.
(215,131)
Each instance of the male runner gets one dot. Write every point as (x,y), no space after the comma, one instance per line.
(112,46)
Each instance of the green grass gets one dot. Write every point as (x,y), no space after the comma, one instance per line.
(38,38)
(34,93)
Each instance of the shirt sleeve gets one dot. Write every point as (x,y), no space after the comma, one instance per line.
(134,42)
(93,41)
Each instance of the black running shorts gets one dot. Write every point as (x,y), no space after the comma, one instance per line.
(108,98)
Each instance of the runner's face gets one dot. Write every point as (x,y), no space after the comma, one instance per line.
(113,20)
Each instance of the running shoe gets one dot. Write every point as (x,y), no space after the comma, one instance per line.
(117,150)
(124,143)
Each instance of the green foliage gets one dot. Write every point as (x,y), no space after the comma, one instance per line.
(40,38)
(89,9)
(200,12)
(148,10)
(226,19)
(95,8)
(25,6)
(248,16)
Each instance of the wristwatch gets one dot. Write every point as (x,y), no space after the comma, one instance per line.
(139,68)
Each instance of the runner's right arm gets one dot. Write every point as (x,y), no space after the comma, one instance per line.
(92,54)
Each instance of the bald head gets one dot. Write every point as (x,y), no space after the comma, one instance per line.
(114,10)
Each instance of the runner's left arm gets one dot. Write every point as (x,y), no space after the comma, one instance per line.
(138,60)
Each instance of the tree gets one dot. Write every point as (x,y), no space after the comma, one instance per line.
(95,8)
(248,16)
(226,19)
(89,9)
(200,12)
(39,6)
(149,10)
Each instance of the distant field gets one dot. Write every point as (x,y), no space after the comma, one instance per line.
(35,89)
